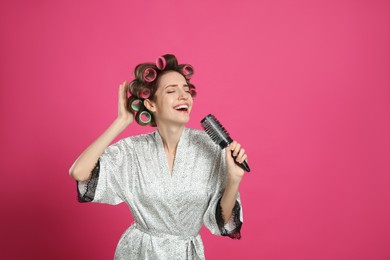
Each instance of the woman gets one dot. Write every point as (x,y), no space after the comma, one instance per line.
(174,179)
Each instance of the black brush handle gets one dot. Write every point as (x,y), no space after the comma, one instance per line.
(244,165)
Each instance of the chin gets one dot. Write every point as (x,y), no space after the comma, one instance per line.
(184,121)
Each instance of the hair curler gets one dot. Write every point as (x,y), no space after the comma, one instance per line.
(132,87)
(144,117)
(136,104)
(144,93)
(149,74)
(161,63)
(220,136)
(187,70)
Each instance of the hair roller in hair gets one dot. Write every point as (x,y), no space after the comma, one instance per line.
(144,117)
(149,74)
(193,92)
(132,88)
(135,105)
(187,71)
(171,62)
(161,63)
(144,93)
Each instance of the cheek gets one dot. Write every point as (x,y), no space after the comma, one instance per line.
(165,104)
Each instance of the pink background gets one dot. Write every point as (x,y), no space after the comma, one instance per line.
(304,86)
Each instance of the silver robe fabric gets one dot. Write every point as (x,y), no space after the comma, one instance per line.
(168,210)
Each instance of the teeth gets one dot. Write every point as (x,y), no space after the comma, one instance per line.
(182,106)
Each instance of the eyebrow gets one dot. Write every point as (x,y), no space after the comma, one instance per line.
(175,85)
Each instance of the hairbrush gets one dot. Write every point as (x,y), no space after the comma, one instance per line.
(220,136)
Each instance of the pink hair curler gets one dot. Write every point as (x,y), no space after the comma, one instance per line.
(145,93)
(149,74)
(161,63)
(192,92)
(188,71)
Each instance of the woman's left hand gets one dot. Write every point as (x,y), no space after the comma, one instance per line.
(235,172)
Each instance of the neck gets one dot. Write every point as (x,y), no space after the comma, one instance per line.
(170,136)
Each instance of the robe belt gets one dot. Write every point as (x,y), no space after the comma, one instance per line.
(191,240)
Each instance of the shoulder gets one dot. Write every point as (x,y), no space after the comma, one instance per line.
(201,139)
(204,147)
(198,135)
(140,139)
(131,141)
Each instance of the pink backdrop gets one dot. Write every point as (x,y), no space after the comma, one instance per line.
(304,86)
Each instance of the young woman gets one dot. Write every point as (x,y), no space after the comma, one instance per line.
(173,179)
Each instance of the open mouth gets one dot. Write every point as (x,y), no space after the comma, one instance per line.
(181,108)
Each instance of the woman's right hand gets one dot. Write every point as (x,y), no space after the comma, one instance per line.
(123,113)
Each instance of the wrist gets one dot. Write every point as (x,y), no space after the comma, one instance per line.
(233,181)
(120,123)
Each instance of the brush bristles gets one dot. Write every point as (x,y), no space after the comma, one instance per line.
(216,131)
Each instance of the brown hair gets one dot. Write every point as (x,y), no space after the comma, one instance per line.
(144,86)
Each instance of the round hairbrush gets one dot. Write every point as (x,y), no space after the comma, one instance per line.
(220,136)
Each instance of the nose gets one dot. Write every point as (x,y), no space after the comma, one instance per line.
(183,94)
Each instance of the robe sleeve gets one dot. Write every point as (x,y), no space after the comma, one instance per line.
(212,218)
(110,177)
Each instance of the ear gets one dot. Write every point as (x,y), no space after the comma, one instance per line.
(150,105)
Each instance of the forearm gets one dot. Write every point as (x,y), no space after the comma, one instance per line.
(82,167)
(228,200)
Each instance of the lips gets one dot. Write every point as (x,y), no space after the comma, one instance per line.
(181,107)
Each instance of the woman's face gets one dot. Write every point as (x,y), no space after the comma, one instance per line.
(173,102)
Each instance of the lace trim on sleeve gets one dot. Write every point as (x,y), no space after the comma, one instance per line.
(87,194)
(231,229)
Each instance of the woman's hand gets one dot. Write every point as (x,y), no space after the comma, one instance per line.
(235,172)
(123,113)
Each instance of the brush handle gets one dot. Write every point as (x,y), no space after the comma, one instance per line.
(244,165)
